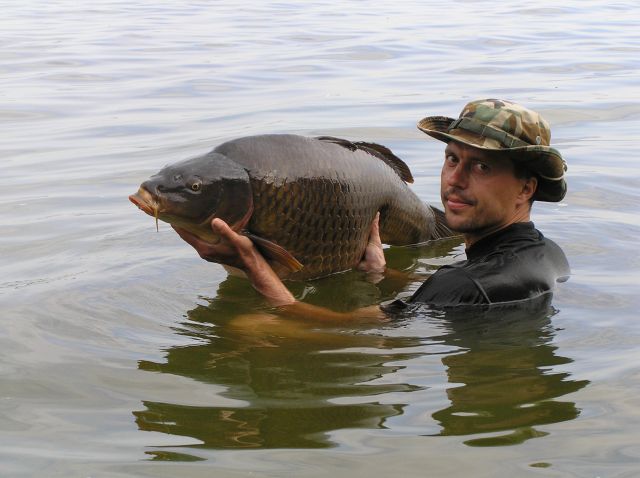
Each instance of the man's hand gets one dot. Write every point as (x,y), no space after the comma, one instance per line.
(373,261)
(238,251)
(232,250)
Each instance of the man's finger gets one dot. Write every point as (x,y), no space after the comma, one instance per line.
(374,236)
(227,235)
(222,228)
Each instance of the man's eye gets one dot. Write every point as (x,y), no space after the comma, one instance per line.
(482,167)
(450,159)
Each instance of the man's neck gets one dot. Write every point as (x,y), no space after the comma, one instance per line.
(471,238)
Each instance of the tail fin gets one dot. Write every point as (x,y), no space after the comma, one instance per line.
(440,228)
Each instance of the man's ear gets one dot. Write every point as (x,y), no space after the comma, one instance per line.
(529,187)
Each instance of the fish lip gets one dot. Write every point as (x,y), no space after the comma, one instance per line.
(145,201)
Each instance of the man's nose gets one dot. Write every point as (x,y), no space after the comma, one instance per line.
(457,176)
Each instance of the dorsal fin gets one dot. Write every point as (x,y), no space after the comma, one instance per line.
(388,157)
(377,150)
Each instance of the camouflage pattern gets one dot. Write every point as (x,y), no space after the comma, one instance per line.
(512,129)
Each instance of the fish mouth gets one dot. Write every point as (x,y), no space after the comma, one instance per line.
(146,203)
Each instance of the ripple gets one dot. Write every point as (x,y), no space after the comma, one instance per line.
(110,325)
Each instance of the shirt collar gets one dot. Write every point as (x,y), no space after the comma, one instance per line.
(489,243)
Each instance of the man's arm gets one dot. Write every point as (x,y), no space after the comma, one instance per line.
(238,251)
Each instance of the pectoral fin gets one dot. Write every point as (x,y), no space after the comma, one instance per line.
(275,252)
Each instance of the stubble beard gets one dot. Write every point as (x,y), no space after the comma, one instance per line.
(471,226)
(460,224)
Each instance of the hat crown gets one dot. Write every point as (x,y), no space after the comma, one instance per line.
(506,128)
(514,119)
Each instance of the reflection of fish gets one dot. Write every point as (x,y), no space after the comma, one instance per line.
(302,199)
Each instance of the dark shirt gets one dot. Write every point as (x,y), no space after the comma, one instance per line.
(513,264)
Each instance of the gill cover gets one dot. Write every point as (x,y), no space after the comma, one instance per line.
(198,189)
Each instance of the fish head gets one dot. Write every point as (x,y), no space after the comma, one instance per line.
(190,193)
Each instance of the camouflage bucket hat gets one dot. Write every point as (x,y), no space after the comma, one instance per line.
(516,131)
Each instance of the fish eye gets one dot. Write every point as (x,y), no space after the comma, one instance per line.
(195,187)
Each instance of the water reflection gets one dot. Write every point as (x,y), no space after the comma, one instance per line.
(295,383)
(286,376)
(505,376)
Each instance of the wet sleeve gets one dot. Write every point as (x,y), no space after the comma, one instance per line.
(450,286)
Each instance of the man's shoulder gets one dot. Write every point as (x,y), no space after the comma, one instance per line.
(526,265)
(555,256)
(451,285)
(520,239)
(519,264)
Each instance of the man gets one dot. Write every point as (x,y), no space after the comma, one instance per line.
(497,162)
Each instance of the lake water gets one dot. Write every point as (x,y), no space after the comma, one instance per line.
(123,354)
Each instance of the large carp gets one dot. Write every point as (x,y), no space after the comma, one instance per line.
(307,203)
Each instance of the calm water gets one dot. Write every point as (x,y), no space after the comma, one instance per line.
(123,354)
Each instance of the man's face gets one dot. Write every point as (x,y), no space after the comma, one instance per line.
(480,191)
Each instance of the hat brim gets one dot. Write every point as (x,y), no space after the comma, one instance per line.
(544,161)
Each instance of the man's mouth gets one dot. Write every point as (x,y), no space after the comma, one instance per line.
(456,202)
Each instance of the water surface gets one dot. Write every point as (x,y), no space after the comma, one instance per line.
(124,354)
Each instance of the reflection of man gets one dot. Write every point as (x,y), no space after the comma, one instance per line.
(277,389)
(497,162)
(503,376)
